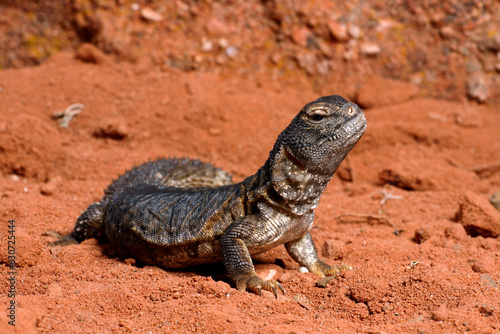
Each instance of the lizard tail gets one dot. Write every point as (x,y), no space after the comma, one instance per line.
(89,225)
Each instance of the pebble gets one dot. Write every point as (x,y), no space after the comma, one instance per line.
(441,313)
(151,15)
(338,31)
(89,53)
(48,188)
(485,264)
(268,271)
(370,49)
(495,200)
(486,309)
(477,87)
(324,281)
(112,128)
(478,216)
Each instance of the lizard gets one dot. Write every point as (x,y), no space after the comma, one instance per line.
(177,213)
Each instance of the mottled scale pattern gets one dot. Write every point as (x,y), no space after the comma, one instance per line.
(163,225)
(176,213)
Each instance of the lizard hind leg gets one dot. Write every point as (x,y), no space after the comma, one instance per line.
(88,225)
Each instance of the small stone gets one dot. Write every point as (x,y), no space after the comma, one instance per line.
(447,32)
(421,235)
(370,49)
(485,264)
(151,15)
(456,232)
(306,61)
(303,301)
(268,271)
(441,313)
(354,31)
(338,31)
(299,35)
(477,87)
(486,310)
(495,200)
(48,188)
(478,216)
(324,281)
(89,53)
(130,261)
(216,27)
(112,128)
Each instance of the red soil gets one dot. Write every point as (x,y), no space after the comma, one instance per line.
(408,209)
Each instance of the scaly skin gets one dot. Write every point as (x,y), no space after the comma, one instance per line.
(179,213)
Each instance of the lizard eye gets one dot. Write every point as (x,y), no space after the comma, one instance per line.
(317,117)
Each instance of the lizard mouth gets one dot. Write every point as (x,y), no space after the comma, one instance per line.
(350,133)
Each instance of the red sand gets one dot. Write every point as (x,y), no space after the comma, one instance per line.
(408,209)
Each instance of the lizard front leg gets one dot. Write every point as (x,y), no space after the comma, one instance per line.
(304,252)
(237,259)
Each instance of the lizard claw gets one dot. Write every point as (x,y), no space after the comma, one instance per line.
(256,284)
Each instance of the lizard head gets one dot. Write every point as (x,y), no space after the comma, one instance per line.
(322,134)
(310,150)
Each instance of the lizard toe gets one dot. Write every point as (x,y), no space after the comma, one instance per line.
(256,284)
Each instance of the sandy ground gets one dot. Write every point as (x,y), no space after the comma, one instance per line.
(409,209)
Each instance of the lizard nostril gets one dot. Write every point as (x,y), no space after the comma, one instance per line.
(350,111)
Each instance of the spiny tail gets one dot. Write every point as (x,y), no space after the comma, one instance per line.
(90,224)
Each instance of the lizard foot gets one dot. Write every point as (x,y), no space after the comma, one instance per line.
(62,240)
(257,284)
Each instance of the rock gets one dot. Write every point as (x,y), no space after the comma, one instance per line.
(491,43)
(112,128)
(48,188)
(456,231)
(268,271)
(89,53)
(150,15)
(485,264)
(478,216)
(477,87)
(338,31)
(306,61)
(486,310)
(216,27)
(299,36)
(333,249)
(421,235)
(378,91)
(495,200)
(324,281)
(303,301)
(370,49)
(441,313)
